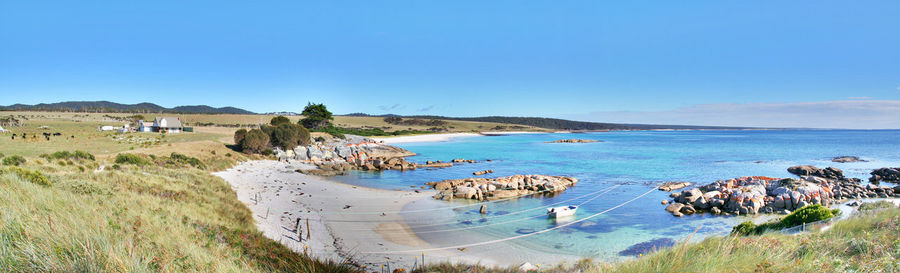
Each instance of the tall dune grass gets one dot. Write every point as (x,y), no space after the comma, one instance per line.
(138,219)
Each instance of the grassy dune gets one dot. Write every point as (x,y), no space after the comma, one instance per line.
(136,219)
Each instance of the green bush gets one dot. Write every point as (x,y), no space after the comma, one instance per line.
(745,228)
(279,120)
(177,159)
(268,152)
(255,141)
(133,159)
(14,160)
(239,136)
(76,155)
(807,214)
(35,176)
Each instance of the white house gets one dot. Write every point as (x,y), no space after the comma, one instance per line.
(167,124)
(144,126)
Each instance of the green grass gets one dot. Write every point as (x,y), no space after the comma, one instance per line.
(876,205)
(868,243)
(87,137)
(137,219)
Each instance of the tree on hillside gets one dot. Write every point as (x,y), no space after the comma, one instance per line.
(279,120)
(255,141)
(316,116)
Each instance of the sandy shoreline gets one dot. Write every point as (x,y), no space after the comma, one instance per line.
(424,138)
(345,221)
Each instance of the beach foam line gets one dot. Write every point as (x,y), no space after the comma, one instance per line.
(514,237)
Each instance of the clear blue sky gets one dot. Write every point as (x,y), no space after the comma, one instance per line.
(458,58)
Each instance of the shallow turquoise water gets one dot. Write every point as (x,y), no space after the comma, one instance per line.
(636,161)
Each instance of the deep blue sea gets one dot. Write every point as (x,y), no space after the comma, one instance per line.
(636,161)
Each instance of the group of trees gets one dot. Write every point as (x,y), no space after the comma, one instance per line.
(281,132)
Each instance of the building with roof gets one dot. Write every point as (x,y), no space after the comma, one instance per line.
(167,125)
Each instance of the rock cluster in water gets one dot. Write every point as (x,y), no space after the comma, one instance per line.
(674,185)
(502,187)
(847,159)
(885,174)
(573,141)
(759,194)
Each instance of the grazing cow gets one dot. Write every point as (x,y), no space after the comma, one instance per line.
(46,134)
(47,137)
(57,134)
(14,136)
(73,136)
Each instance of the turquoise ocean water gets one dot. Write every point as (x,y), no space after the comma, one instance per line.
(634,162)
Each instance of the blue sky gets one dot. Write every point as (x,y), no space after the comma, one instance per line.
(574,59)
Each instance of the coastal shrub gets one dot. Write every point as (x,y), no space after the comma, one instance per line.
(745,228)
(268,152)
(66,155)
(807,214)
(288,136)
(239,136)
(255,141)
(14,160)
(177,159)
(133,159)
(35,176)
(876,205)
(320,139)
(279,120)
(316,116)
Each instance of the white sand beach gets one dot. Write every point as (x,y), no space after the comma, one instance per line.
(345,221)
(424,138)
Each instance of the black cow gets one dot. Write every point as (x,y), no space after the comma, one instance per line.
(14,136)
(47,135)
(57,134)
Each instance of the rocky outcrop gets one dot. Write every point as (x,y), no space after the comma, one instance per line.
(671,186)
(885,174)
(847,159)
(502,187)
(573,141)
(807,170)
(483,172)
(759,194)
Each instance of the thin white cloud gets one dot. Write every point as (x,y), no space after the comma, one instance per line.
(860,98)
(849,114)
(391,107)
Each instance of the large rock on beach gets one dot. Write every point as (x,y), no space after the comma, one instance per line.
(673,185)
(504,187)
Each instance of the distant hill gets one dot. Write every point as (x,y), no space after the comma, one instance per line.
(112,107)
(559,124)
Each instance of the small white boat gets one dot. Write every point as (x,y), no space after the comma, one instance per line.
(561,211)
